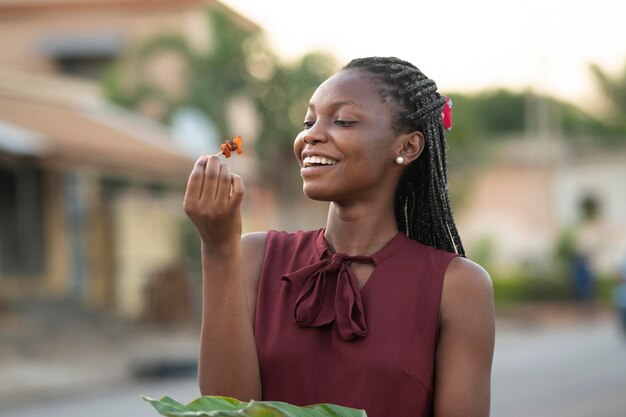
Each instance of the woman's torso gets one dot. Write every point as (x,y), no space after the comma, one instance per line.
(391,368)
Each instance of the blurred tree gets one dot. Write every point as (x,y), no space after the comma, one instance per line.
(492,115)
(480,118)
(614,90)
(238,63)
(283,101)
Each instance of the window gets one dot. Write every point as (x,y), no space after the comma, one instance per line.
(82,54)
(589,208)
(86,67)
(21,222)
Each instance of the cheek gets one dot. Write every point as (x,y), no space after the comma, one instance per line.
(373,155)
(298,144)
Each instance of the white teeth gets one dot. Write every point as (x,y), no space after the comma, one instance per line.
(318,160)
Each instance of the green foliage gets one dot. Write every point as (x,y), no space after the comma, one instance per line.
(565,246)
(523,289)
(115,79)
(282,103)
(482,252)
(485,119)
(163,42)
(479,118)
(614,89)
(238,63)
(217,75)
(576,122)
(213,406)
(530,281)
(605,287)
(541,281)
(494,112)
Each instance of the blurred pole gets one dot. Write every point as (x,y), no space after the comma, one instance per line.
(76,220)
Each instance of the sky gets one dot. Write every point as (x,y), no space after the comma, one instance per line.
(464,45)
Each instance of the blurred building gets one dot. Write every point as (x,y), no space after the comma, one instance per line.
(536,190)
(90,194)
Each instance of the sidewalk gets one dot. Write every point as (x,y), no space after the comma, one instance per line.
(545,315)
(43,358)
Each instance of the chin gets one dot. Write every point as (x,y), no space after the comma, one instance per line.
(313,193)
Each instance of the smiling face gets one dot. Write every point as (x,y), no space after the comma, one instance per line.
(348,144)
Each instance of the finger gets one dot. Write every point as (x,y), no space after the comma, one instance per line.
(223,184)
(237,190)
(211,174)
(196,179)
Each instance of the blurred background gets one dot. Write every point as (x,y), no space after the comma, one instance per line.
(106,104)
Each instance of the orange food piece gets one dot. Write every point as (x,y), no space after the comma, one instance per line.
(225,149)
(239,144)
(230,145)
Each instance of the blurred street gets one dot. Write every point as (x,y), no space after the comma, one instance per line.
(548,364)
(578,370)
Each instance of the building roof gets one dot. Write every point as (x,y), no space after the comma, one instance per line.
(48,5)
(27,7)
(61,122)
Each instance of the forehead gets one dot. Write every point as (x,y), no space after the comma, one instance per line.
(348,87)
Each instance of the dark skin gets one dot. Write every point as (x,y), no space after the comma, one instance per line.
(349,126)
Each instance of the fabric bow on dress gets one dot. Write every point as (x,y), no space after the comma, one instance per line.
(330,291)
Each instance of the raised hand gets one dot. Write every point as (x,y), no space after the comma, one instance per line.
(213,203)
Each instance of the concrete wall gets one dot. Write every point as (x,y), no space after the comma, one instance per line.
(522,208)
(147,239)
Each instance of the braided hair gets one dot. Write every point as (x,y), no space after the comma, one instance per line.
(422,204)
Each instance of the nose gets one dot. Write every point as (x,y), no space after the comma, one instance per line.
(314,134)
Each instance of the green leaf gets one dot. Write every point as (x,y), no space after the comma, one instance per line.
(215,406)
(166,406)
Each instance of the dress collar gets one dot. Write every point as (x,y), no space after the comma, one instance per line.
(390,248)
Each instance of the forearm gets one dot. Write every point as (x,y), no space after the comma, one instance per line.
(228,363)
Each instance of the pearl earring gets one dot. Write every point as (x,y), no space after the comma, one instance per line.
(399,160)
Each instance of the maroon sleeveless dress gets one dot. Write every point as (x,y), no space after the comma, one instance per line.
(321,339)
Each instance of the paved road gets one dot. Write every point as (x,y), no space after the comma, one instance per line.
(577,371)
(574,371)
(121,401)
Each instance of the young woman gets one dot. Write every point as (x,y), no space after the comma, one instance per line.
(378,310)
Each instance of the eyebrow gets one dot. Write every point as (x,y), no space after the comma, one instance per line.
(337,104)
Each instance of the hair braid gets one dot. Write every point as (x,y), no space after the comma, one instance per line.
(422,207)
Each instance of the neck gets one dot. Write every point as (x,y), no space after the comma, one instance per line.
(360,229)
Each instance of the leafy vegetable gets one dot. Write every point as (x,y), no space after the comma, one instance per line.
(213,406)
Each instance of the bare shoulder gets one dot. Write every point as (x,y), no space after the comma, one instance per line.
(467,287)
(463,274)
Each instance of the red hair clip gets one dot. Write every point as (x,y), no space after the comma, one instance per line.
(446,114)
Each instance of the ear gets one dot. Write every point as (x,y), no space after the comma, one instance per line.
(411,145)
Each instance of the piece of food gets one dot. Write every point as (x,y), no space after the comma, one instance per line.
(232,145)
